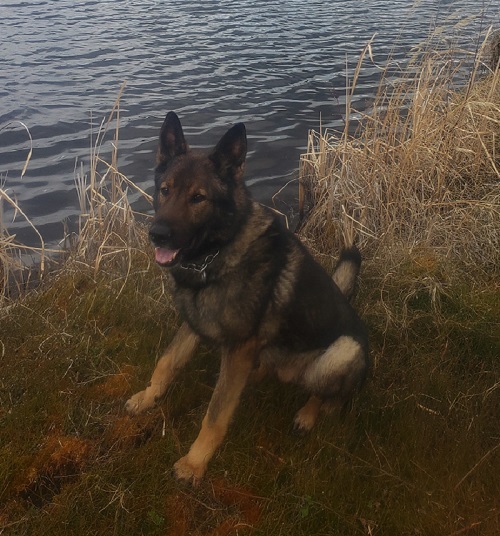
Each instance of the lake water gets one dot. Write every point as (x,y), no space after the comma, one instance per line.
(278,66)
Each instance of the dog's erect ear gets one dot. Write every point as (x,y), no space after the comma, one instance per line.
(230,153)
(172,141)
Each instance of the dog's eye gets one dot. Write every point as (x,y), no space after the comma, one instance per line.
(164,191)
(197,198)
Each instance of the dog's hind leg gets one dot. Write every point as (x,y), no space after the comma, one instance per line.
(236,367)
(334,375)
(176,356)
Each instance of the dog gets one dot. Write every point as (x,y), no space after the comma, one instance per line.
(243,282)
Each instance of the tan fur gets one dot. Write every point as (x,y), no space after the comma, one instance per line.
(235,369)
(178,353)
(306,417)
(339,363)
(345,277)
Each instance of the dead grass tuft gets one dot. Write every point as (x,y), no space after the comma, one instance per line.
(14,274)
(114,386)
(57,463)
(421,170)
(108,230)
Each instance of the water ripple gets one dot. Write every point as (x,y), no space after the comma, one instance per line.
(277,65)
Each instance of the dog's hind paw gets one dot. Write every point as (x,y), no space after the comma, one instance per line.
(140,402)
(301,428)
(187,472)
(306,417)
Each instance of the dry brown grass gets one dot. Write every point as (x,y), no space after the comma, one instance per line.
(108,230)
(107,224)
(422,170)
(13,271)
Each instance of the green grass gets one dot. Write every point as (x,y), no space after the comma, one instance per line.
(415,455)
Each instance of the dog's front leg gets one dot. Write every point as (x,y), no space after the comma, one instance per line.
(176,356)
(236,366)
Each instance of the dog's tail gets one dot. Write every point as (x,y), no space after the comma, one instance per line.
(347,270)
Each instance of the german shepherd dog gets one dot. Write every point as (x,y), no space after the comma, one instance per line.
(245,283)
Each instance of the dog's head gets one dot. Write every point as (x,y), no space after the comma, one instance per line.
(198,198)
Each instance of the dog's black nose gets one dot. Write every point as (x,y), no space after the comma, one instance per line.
(160,233)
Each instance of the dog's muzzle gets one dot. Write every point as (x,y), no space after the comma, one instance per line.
(160,236)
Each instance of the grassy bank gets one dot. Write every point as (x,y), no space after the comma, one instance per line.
(419,452)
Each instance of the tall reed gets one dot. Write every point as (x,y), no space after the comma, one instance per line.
(107,223)
(13,272)
(420,170)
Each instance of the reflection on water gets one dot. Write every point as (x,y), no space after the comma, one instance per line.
(279,66)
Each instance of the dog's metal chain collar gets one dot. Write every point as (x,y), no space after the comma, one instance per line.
(200,268)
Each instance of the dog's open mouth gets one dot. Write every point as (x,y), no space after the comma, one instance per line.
(165,256)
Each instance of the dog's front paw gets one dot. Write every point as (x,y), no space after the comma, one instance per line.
(188,472)
(141,401)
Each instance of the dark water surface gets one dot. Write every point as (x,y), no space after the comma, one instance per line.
(276,65)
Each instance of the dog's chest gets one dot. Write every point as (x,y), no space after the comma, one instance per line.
(220,313)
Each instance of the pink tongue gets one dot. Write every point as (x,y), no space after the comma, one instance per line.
(164,255)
